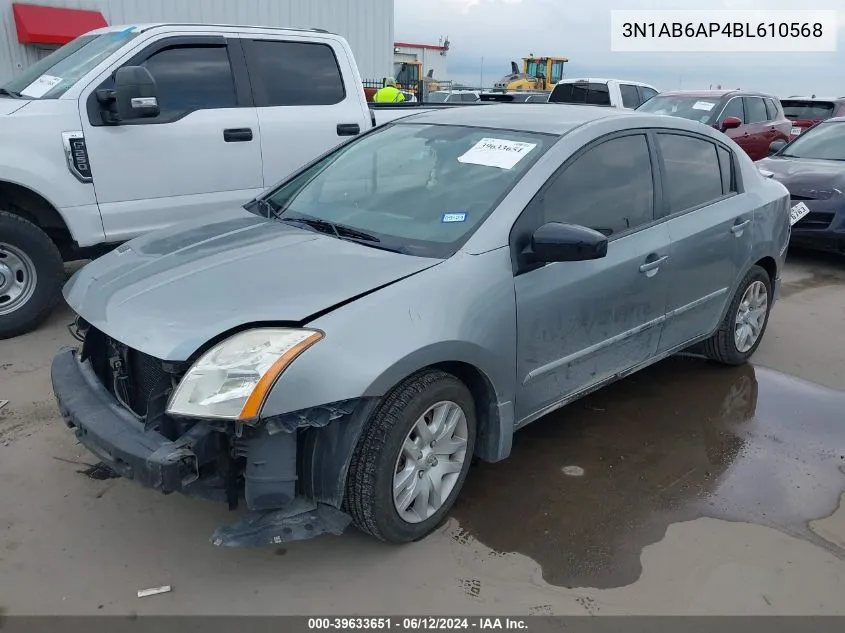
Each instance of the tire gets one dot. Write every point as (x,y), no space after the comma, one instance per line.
(379,454)
(32,258)
(722,347)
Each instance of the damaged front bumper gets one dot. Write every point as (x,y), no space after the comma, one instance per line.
(200,462)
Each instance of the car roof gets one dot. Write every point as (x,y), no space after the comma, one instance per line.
(603,80)
(715,94)
(838,99)
(544,118)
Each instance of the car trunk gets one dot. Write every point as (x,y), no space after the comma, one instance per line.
(804,114)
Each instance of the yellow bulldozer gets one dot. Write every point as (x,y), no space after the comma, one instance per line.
(537,73)
(409,75)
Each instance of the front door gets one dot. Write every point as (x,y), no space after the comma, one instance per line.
(711,229)
(579,323)
(201,154)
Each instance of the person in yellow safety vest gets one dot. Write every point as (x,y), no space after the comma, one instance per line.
(389,94)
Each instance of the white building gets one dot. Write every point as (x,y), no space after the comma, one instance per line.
(432,56)
(30,30)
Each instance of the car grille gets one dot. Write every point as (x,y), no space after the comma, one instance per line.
(134,378)
(815,220)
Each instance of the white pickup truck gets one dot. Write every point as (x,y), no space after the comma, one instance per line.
(133,128)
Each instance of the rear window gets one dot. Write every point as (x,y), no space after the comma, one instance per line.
(794,109)
(581,92)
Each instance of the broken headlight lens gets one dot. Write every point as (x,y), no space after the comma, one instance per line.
(232,380)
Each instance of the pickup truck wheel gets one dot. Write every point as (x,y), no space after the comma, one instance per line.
(745,322)
(31,275)
(412,458)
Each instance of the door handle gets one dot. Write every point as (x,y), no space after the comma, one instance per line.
(737,228)
(348,129)
(237,135)
(653,265)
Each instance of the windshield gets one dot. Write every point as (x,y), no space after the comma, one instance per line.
(825,141)
(813,110)
(413,188)
(51,77)
(700,109)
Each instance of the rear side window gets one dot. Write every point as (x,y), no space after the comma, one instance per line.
(726,168)
(693,172)
(630,96)
(581,92)
(813,110)
(193,78)
(771,109)
(755,110)
(608,188)
(646,93)
(294,73)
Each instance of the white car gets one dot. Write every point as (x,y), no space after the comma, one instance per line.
(617,93)
(453,96)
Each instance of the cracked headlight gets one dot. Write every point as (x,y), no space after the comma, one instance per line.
(232,379)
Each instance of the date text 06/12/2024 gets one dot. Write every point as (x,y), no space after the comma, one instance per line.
(417,624)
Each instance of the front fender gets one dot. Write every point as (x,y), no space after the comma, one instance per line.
(462,310)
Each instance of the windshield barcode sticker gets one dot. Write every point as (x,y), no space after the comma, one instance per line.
(41,86)
(454,217)
(496,152)
(703,105)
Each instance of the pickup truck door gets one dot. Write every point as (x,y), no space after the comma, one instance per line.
(201,154)
(309,99)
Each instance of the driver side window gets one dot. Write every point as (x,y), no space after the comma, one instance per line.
(608,188)
(733,108)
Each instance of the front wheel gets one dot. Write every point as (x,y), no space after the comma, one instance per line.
(412,458)
(741,332)
(31,275)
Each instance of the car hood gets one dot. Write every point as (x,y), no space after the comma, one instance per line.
(168,293)
(811,179)
(10,106)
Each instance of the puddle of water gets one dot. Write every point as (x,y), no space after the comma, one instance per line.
(681,440)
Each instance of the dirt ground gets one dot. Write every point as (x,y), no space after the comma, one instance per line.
(685,489)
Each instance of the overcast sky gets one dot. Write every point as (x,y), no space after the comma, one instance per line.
(505,30)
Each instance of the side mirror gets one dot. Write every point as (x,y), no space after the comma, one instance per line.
(557,242)
(731,123)
(135,93)
(776,146)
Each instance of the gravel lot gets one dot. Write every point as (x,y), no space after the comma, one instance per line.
(684,489)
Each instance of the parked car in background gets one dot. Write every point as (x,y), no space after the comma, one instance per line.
(453,96)
(812,168)
(515,97)
(618,93)
(390,329)
(805,112)
(752,119)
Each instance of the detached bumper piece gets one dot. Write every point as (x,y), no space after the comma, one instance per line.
(119,439)
(300,520)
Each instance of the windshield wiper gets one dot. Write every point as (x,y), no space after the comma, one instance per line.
(343,232)
(9,93)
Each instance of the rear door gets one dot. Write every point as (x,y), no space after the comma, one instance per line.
(711,231)
(758,131)
(306,97)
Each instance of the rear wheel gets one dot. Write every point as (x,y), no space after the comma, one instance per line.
(412,459)
(31,275)
(741,332)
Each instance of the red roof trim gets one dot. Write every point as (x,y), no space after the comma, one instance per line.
(432,47)
(37,24)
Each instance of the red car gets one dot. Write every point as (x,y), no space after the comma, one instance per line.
(752,119)
(805,112)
